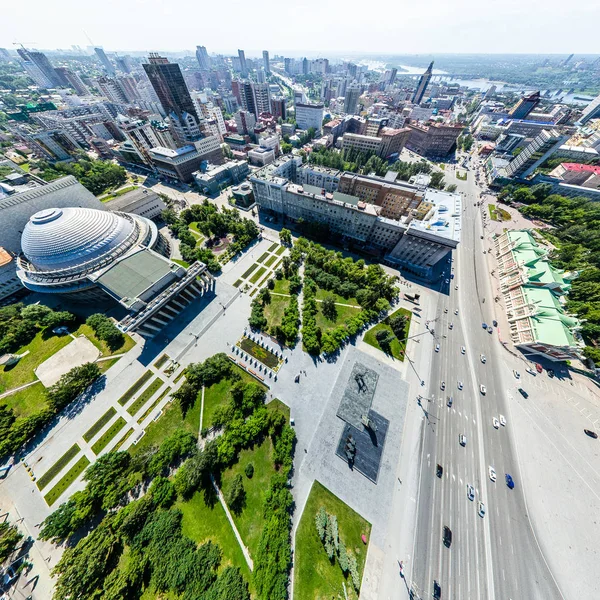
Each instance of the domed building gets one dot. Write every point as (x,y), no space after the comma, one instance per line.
(86,254)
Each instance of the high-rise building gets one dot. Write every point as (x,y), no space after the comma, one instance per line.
(422,85)
(393,74)
(535,153)
(266,65)
(351,99)
(112,89)
(72,80)
(524,106)
(262,98)
(124,64)
(38,67)
(108,66)
(168,83)
(202,58)
(309,115)
(141,134)
(243,67)
(278,108)
(591,111)
(245,122)
(5,55)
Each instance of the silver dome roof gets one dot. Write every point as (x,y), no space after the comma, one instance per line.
(59,238)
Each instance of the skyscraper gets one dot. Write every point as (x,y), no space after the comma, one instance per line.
(422,86)
(351,99)
(168,83)
(524,106)
(393,76)
(38,67)
(73,80)
(591,111)
(262,98)
(266,65)
(108,67)
(202,58)
(243,67)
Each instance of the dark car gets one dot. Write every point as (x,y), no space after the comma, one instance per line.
(495,323)
(484,325)
(439,471)
(509,481)
(523,393)
(449,401)
(447,536)
(550,372)
(437,590)
(591,433)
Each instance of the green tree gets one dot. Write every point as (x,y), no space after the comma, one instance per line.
(329,308)
(285,237)
(10,538)
(162,492)
(236,496)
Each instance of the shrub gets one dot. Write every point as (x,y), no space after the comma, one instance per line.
(249,470)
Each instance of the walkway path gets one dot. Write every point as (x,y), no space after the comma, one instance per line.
(337,303)
(230,519)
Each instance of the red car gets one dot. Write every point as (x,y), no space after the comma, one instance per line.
(538,367)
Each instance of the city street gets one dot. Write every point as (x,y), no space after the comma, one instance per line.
(495,556)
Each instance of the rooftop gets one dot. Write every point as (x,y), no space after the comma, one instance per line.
(581,168)
(126,201)
(444,218)
(128,278)
(170,153)
(5,257)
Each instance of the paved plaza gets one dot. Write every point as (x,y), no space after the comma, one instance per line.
(76,353)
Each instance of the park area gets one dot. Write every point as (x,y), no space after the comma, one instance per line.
(390,335)
(498,214)
(315,574)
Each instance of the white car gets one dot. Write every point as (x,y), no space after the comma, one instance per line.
(456,287)
(460,385)
(482,389)
(470,492)
(530,371)
(445,311)
(495,423)
(443,386)
(481,509)
(437,347)
(492,474)
(462,439)
(502,421)
(456,311)
(483,358)
(516,374)
(450,325)
(462,349)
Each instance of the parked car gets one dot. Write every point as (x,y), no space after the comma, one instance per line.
(439,471)
(462,439)
(490,330)
(437,347)
(495,423)
(516,374)
(509,481)
(484,325)
(462,349)
(449,402)
(495,323)
(483,358)
(523,393)
(443,386)
(538,367)
(502,421)
(481,509)
(591,433)
(482,389)
(492,473)
(550,372)
(437,590)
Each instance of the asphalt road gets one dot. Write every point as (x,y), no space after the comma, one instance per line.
(497,556)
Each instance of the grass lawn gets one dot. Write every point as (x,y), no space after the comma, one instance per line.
(161,361)
(108,435)
(218,394)
(123,440)
(250,521)
(153,405)
(273,246)
(270,260)
(42,347)
(396,347)
(257,275)
(180,262)
(343,313)
(248,271)
(70,476)
(99,424)
(280,250)
(274,310)
(170,421)
(203,522)
(58,466)
(263,256)
(126,397)
(322,294)
(461,175)
(237,283)
(315,576)
(145,396)
(118,193)
(27,402)
(282,286)
(265,356)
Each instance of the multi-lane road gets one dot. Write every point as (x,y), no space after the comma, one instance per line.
(497,556)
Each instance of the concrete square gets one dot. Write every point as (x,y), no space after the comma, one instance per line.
(76,353)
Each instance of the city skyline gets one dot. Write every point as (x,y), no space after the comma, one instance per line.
(482,28)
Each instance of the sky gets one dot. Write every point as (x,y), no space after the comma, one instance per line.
(311,26)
